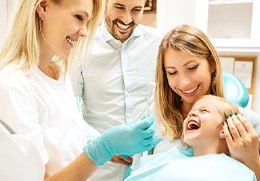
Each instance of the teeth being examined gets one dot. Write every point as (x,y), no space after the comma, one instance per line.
(190,91)
(193,125)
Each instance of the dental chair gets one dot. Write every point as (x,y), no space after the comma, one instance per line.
(235,90)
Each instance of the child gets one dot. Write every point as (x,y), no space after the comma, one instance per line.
(203,131)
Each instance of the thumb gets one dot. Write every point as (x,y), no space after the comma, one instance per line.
(155,142)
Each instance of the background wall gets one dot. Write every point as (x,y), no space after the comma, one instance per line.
(149,19)
(7,11)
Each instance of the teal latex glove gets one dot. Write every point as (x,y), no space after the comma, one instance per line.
(125,139)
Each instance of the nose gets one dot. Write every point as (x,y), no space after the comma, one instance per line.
(83,32)
(126,17)
(193,113)
(184,80)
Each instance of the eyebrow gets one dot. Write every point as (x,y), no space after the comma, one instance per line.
(183,65)
(188,62)
(118,4)
(85,13)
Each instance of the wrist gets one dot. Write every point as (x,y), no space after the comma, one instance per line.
(97,152)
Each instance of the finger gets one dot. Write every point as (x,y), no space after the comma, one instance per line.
(145,123)
(227,134)
(149,132)
(156,141)
(151,141)
(147,141)
(123,162)
(152,144)
(128,159)
(247,125)
(117,159)
(240,127)
(232,127)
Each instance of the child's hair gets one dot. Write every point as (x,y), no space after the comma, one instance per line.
(226,108)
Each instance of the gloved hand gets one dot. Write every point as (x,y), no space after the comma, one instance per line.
(125,139)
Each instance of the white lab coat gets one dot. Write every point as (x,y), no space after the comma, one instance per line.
(19,158)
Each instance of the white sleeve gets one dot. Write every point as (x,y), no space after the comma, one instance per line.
(19,111)
(20,157)
(91,132)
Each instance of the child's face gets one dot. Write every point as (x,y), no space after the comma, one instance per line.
(203,124)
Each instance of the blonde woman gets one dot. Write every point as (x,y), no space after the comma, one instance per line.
(38,99)
(188,67)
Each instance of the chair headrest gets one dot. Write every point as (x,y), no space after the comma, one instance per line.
(235,90)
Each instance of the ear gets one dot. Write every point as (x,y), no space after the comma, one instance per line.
(221,134)
(41,9)
(212,66)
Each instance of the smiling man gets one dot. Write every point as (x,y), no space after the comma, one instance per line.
(113,81)
(121,19)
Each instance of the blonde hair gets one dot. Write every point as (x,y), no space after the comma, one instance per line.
(225,108)
(168,104)
(22,45)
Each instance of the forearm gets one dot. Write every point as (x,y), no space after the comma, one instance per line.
(256,168)
(80,169)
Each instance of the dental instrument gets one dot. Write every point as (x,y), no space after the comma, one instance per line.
(151,90)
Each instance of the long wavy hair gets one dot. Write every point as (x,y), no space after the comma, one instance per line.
(193,41)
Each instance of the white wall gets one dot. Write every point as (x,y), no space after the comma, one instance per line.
(171,13)
(7,12)
(3,21)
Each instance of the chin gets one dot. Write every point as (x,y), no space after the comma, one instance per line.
(190,100)
(191,136)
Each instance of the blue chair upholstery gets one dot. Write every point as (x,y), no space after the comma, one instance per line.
(235,90)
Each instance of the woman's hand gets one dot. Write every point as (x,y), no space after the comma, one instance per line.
(243,142)
(125,139)
(121,160)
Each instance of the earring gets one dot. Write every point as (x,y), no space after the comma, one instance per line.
(40,25)
(40,28)
(40,22)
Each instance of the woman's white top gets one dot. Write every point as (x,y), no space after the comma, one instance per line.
(45,110)
(19,158)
